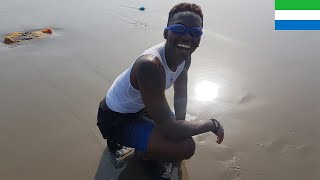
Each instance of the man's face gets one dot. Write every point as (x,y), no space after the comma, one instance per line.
(183,45)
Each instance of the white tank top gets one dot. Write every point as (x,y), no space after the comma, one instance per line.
(122,97)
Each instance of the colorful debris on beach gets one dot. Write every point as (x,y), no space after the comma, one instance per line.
(16,37)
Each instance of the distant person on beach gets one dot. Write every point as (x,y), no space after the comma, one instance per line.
(16,37)
(135,112)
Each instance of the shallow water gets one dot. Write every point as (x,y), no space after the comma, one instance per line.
(265,89)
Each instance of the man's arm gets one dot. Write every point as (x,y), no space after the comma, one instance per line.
(181,93)
(150,77)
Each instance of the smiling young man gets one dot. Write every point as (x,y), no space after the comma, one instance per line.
(135,112)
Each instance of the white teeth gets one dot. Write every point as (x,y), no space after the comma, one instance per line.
(184,46)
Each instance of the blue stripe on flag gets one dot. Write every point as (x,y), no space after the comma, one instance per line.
(297,25)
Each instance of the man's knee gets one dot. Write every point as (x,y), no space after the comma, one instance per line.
(190,148)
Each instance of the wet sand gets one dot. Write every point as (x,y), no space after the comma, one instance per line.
(267,96)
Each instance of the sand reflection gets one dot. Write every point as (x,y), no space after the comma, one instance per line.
(206,91)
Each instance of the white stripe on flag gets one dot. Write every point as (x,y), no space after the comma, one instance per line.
(297,15)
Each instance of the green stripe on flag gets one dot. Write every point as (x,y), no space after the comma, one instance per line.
(297,4)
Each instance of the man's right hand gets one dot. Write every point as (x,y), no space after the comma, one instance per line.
(218,130)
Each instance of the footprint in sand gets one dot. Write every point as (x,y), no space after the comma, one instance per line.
(227,158)
(230,174)
(273,145)
(308,152)
(248,97)
(229,161)
(231,169)
(305,151)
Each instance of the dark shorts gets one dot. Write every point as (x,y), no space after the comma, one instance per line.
(131,130)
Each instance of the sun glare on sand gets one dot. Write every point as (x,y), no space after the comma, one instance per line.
(206,91)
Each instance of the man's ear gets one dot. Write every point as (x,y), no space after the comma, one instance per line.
(165,34)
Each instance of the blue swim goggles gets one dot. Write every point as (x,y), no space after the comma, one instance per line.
(181,29)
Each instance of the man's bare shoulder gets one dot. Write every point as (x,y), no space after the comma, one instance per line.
(148,65)
(147,60)
(148,68)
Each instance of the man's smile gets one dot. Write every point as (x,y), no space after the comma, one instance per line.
(186,46)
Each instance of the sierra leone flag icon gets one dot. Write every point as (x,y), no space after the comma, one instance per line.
(297,14)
